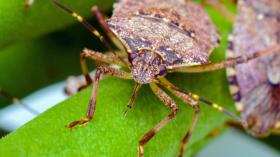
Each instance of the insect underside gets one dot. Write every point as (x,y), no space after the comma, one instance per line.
(255,86)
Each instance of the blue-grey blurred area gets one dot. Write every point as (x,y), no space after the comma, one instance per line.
(38,101)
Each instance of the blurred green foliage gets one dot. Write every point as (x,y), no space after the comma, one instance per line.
(18,23)
(27,66)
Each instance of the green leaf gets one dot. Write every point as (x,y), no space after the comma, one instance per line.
(109,134)
(42,62)
(19,23)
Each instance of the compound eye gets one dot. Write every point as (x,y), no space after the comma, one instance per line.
(162,70)
(132,56)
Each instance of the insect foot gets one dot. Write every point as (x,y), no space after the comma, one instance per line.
(81,122)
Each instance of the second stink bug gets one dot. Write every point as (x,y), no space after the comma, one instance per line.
(255,86)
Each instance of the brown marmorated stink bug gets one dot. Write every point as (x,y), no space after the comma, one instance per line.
(156,37)
(255,86)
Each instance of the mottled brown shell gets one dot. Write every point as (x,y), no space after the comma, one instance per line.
(258,82)
(179,31)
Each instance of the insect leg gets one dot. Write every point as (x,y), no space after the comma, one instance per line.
(235,125)
(82,20)
(168,101)
(190,130)
(193,100)
(102,22)
(194,104)
(227,63)
(133,97)
(78,17)
(102,70)
(195,97)
(87,25)
(104,58)
(15,100)
(74,84)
